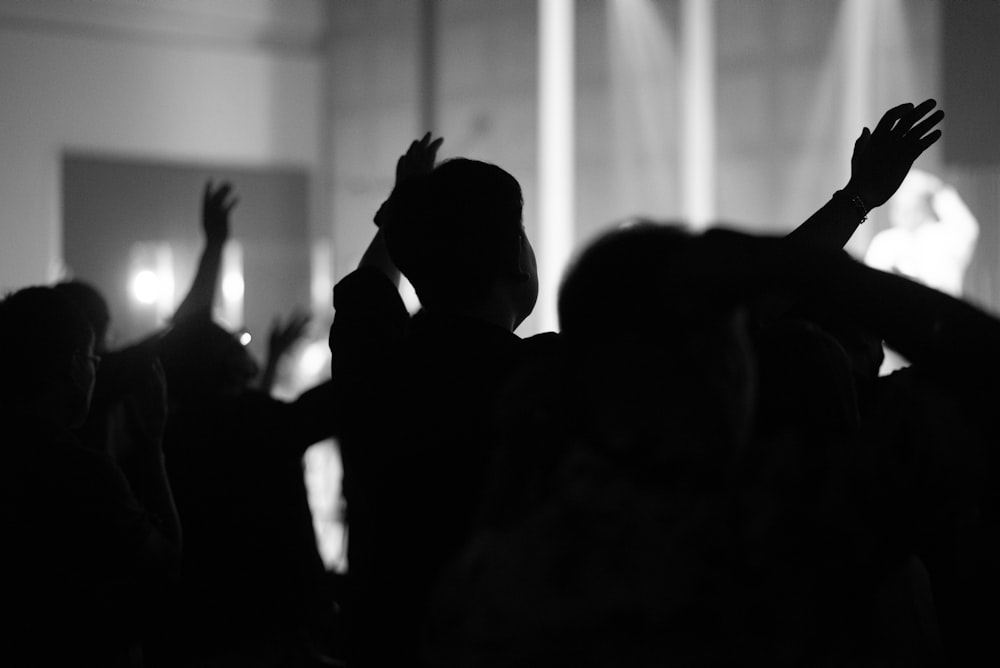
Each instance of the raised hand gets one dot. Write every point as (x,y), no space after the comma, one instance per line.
(419,158)
(216,203)
(285,335)
(280,340)
(883,157)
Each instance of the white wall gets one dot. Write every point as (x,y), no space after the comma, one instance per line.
(486,99)
(145,84)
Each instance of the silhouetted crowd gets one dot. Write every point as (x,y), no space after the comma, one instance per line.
(702,468)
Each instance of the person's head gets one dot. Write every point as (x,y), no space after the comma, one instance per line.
(457,234)
(47,361)
(93,305)
(201,359)
(637,295)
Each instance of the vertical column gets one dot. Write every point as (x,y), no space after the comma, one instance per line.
(857,34)
(232,284)
(428,67)
(555,151)
(698,111)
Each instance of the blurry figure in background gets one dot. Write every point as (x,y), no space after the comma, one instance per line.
(89,548)
(281,340)
(106,427)
(298,358)
(931,238)
(645,516)
(254,590)
(932,235)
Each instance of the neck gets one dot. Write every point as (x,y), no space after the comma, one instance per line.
(496,314)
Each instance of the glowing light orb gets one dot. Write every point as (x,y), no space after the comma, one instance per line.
(232,286)
(146,287)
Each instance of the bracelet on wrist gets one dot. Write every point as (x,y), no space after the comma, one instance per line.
(854,201)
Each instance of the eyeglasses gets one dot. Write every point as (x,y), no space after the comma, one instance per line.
(94,359)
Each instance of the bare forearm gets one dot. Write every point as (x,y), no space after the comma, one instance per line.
(831,227)
(201,296)
(930,328)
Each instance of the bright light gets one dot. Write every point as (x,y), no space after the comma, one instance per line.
(232,286)
(245,338)
(555,151)
(315,358)
(146,287)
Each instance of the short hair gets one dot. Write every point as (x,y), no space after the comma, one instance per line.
(40,331)
(201,358)
(454,231)
(89,300)
(618,283)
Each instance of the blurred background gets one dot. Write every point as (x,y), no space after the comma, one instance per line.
(114,113)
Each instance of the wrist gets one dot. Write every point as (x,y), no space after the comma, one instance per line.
(853,199)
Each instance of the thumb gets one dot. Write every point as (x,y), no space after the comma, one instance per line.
(862,140)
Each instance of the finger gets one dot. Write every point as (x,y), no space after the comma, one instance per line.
(860,142)
(911,117)
(926,143)
(430,156)
(890,117)
(222,192)
(924,126)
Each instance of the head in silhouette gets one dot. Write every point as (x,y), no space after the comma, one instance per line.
(202,361)
(457,234)
(670,345)
(47,360)
(93,305)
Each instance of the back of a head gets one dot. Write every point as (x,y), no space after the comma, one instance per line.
(618,284)
(201,359)
(40,332)
(672,345)
(454,231)
(93,305)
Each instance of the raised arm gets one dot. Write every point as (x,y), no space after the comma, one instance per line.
(369,312)
(947,337)
(283,336)
(419,158)
(880,162)
(216,204)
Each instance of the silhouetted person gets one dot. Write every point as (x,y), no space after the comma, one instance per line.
(416,394)
(122,369)
(253,587)
(643,522)
(88,553)
(931,237)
